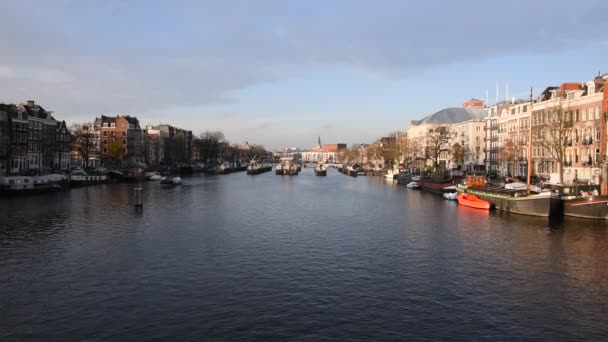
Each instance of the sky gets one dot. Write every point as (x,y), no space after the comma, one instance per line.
(281,73)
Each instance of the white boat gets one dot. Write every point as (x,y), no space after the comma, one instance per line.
(172,181)
(390,175)
(450,195)
(416,178)
(321,169)
(413,185)
(155,177)
(287,166)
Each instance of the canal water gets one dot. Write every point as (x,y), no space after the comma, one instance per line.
(237,257)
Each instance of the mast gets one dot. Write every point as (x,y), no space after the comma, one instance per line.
(530,144)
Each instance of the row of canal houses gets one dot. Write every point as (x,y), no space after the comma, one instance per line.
(33,142)
(495,138)
(577,110)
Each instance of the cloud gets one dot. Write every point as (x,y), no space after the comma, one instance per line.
(83,58)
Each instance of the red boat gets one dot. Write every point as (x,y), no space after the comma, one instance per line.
(472,201)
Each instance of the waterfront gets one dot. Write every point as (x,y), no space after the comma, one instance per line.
(241,257)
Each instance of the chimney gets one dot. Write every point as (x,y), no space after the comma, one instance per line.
(30,103)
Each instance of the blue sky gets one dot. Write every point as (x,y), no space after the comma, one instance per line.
(281,73)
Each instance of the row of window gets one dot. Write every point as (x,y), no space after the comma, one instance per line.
(113,133)
(112,124)
(586,114)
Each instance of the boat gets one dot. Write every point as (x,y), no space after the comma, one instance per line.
(436,186)
(255,167)
(80,178)
(543,204)
(286,167)
(321,169)
(403,178)
(22,185)
(472,201)
(450,196)
(582,201)
(171,181)
(155,177)
(413,185)
(391,175)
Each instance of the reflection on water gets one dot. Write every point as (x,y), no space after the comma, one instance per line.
(238,257)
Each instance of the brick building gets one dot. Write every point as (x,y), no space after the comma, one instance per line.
(121,140)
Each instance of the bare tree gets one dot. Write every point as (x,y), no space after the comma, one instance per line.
(82,142)
(211,145)
(509,153)
(552,132)
(457,154)
(435,140)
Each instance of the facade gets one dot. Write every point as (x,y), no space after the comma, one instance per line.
(32,140)
(121,140)
(63,148)
(328,153)
(470,136)
(5,138)
(422,133)
(167,145)
(580,104)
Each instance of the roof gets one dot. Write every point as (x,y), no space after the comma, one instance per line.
(37,111)
(452,115)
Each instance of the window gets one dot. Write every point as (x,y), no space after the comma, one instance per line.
(113,124)
(597,112)
(597,133)
(105,133)
(105,124)
(105,150)
(584,118)
(105,141)
(124,141)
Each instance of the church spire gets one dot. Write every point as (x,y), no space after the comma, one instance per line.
(320,142)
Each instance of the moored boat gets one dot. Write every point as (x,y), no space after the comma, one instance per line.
(321,169)
(543,204)
(413,185)
(450,195)
(22,185)
(436,186)
(583,201)
(472,201)
(287,167)
(256,167)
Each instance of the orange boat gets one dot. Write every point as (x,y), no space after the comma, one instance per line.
(472,201)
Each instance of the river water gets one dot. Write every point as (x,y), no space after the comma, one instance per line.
(267,257)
